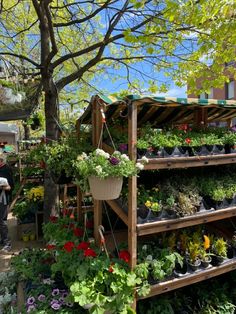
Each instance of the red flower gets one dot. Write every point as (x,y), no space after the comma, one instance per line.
(72,216)
(68,246)
(188,140)
(50,246)
(53,219)
(78,232)
(83,246)
(124,255)
(90,252)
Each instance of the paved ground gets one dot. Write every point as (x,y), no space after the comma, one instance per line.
(17,244)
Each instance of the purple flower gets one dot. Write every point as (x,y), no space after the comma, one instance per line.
(42,297)
(114,161)
(55,305)
(55,292)
(123,147)
(30,300)
(31,307)
(233,129)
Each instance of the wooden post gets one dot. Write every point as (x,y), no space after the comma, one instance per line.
(200,117)
(96,133)
(132,194)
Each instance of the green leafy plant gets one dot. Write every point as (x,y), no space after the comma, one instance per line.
(219,247)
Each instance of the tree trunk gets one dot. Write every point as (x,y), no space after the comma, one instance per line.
(51,105)
(26,133)
(51,190)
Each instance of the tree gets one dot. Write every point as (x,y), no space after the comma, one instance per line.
(76,42)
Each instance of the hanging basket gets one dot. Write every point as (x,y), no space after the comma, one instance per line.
(105,189)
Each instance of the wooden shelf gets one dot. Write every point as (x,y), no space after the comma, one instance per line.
(197,219)
(186,162)
(199,275)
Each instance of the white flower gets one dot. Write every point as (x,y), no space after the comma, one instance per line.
(144,159)
(149,258)
(98,169)
(101,152)
(48,281)
(124,156)
(144,247)
(82,156)
(139,166)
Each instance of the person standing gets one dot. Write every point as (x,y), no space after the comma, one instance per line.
(6,187)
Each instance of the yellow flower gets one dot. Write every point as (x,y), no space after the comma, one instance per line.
(36,193)
(148,203)
(206,242)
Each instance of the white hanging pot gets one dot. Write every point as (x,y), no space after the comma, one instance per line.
(105,189)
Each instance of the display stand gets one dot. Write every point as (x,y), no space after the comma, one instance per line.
(141,110)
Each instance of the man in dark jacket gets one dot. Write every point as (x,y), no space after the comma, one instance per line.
(6,185)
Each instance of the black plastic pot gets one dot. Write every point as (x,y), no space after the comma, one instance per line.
(177,151)
(206,262)
(218,149)
(217,260)
(194,266)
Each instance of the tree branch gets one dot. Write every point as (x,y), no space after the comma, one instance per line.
(88,17)
(20,57)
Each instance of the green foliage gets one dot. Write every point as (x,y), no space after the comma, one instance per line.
(62,155)
(219,247)
(30,264)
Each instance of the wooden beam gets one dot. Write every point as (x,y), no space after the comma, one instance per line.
(172,224)
(118,210)
(200,117)
(193,161)
(191,278)
(132,184)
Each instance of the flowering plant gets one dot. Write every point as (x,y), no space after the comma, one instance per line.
(103,165)
(35,194)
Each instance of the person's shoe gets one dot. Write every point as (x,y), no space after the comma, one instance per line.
(6,248)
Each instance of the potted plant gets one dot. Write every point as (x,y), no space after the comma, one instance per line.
(193,255)
(104,172)
(219,248)
(60,157)
(205,255)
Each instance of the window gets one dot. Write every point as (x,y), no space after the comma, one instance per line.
(203,95)
(230,90)
(211,95)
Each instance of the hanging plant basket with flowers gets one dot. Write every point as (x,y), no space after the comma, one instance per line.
(102,173)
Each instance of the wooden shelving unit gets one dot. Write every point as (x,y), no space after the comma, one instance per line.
(138,114)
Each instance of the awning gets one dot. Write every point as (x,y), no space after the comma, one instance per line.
(160,111)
